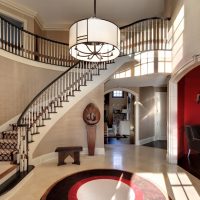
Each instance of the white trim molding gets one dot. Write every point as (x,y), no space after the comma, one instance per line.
(31,13)
(19,8)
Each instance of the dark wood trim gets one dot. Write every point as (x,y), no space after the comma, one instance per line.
(145,19)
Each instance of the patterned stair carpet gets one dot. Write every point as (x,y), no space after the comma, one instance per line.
(104,184)
(8,145)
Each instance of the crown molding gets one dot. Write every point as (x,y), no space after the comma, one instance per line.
(55,27)
(31,13)
(19,8)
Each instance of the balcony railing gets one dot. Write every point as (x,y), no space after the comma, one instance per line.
(144,35)
(34,47)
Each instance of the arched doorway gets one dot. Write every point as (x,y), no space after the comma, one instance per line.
(125,115)
(172,147)
(188,113)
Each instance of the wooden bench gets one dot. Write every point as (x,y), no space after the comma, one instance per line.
(74,152)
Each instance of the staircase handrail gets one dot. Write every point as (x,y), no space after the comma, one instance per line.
(145,19)
(39,94)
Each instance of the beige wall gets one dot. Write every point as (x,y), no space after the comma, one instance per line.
(19,83)
(191,32)
(70,129)
(37,29)
(169,7)
(61,36)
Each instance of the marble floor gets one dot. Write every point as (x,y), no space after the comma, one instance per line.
(147,162)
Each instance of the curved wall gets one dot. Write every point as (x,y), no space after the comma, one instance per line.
(19,83)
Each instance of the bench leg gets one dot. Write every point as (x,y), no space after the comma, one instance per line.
(76,158)
(61,158)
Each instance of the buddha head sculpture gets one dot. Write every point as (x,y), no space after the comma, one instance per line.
(91,114)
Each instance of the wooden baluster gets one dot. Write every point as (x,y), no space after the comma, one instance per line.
(43,50)
(152,35)
(74,79)
(157,32)
(4,34)
(71,84)
(39,49)
(167,45)
(53,54)
(68,83)
(61,54)
(7,38)
(28,46)
(16,41)
(148,36)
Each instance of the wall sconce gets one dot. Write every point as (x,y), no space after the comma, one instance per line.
(198,98)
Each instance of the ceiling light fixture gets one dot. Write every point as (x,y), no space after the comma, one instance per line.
(94,39)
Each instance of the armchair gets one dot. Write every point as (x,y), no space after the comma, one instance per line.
(193,138)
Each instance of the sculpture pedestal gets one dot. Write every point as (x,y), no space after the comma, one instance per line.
(91,138)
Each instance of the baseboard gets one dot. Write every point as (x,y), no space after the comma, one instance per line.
(54,156)
(146,140)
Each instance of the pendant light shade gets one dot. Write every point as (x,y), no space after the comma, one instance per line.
(94,40)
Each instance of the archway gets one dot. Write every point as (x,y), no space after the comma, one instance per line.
(136,105)
(172,130)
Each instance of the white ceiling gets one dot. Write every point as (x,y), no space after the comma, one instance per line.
(66,12)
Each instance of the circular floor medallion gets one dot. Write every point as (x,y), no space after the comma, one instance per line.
(103,184)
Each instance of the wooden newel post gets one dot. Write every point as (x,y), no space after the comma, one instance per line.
(91,116)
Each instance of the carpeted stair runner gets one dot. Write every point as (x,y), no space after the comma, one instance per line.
(8,145)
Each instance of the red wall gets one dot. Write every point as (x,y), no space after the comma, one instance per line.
(188,109)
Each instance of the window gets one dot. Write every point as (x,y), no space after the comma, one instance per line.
(164,62)
(145,63)
(175,37)
(118,94)
(123,74)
